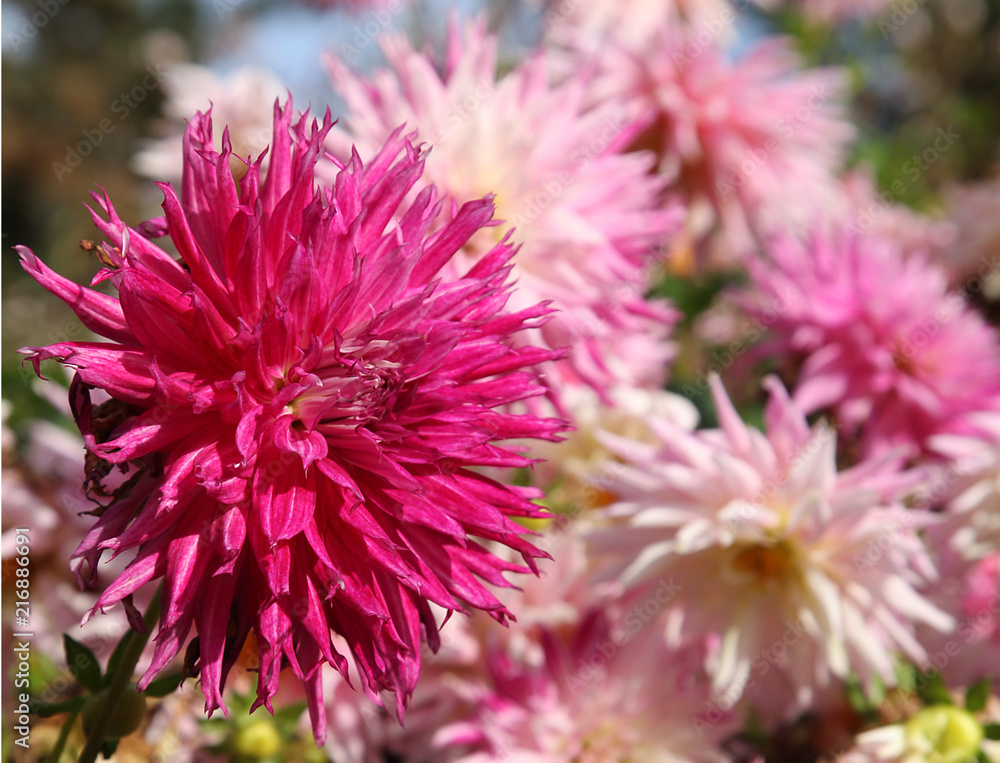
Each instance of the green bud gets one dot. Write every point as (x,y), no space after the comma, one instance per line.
(944,734)
(257,740)
(128,715)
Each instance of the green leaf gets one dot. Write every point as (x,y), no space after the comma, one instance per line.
(44,671)
(290,712)
(46,710)
(864,701)
(906,676)
(877,692)
(977,696)
(934,692)
(83,664)
(161,687)
(992,731)
(856,698)
(216,725)
(287,718)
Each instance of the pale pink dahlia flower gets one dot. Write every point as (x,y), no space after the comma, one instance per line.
(299,398)
(241,102)
(757,142)
(970,593)
(589,216)
(967,549)
(968,485)
(797,570)
(882,341)
(602,691)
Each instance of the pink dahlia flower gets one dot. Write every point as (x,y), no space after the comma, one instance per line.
(797,571)
(756,142)
(866,209)
(604,690)
(299,399)
(633,23)
(970,593)
(975,257)
(967,549)
(588,215)
(898,364)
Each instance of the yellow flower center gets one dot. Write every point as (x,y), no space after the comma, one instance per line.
(766,563)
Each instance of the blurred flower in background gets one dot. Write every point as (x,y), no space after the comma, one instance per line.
(242,101)
(588,217)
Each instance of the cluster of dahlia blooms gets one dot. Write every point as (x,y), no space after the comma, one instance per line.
(396,415)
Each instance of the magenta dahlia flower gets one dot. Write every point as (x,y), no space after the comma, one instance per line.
(298,399)
(896,365)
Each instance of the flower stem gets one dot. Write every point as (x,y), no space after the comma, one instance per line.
(119,682)
(57,751)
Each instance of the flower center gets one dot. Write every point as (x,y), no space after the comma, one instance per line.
(765,563)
